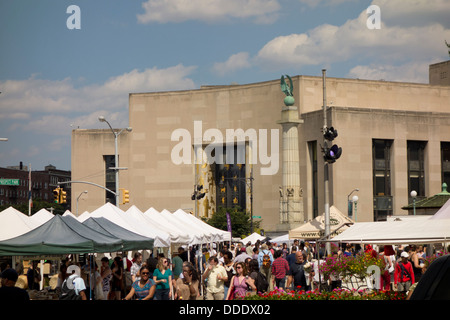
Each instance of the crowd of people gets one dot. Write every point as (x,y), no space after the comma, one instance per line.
(217,273)
(404,265)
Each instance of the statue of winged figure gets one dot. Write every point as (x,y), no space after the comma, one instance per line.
(284,86)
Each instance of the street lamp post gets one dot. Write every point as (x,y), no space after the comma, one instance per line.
(355,201)
(85,191)
(116,156)
(350,203)
(414,195)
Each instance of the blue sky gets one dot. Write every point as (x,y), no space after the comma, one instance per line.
(54,79)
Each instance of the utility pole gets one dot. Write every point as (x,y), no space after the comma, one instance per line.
(116,167)
(326,173)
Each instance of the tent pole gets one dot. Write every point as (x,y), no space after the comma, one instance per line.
(318,264)
(41,284)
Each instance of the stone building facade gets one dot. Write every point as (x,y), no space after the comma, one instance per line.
(395,138)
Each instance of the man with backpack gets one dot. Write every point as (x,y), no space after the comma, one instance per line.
(403,273)
(265,260)
(73,288)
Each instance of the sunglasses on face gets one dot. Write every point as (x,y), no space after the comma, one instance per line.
(144,273)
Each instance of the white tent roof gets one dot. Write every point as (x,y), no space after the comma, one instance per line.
(217,235)
(119,217)
(176,235)
(70,214)
(167,219)
(41,216)
(443,212)
(14,223)
(315,228)
(252,238)
(84,216)
(397,232)
(282,239)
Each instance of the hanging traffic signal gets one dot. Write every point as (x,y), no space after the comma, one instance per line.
(56,195)
(197,193)
(332,154)
(125,196)
(63,196)
(330,133)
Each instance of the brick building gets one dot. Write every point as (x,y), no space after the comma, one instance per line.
(15,184)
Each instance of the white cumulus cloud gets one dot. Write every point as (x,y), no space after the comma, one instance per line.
(395,44)
(63,96)
(52,106)
(235,62)
(163,11)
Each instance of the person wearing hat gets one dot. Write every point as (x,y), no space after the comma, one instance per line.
(403,274)
(8,290)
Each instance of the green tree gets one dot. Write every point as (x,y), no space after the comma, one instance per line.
(240,221)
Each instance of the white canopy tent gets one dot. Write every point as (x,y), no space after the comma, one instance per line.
(176,235)
(14,223)
(166,218)
(41,217)
(443,212)
(282,239)
(432,229)
(70,214)
(252,238)
(119,217)
(315,229)
(165,227)
(216,234)
(208,235)
(83,217)
(397,232)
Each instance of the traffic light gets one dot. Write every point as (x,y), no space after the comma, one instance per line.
(56,195)
(125,196)
(63,196)
(197,193)
(330,133)
(333,153)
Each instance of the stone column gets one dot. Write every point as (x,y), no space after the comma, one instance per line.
(291,198)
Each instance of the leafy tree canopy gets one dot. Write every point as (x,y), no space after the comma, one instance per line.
(240,221)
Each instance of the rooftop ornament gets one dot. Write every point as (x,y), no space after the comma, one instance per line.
(287,89)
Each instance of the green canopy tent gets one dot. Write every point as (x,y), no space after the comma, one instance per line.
(131,240)
(58,236)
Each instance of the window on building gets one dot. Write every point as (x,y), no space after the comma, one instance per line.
(416,167)
(312,145)
(110,178)
(230,183)
(381,167)
(445,162)
(381,158)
